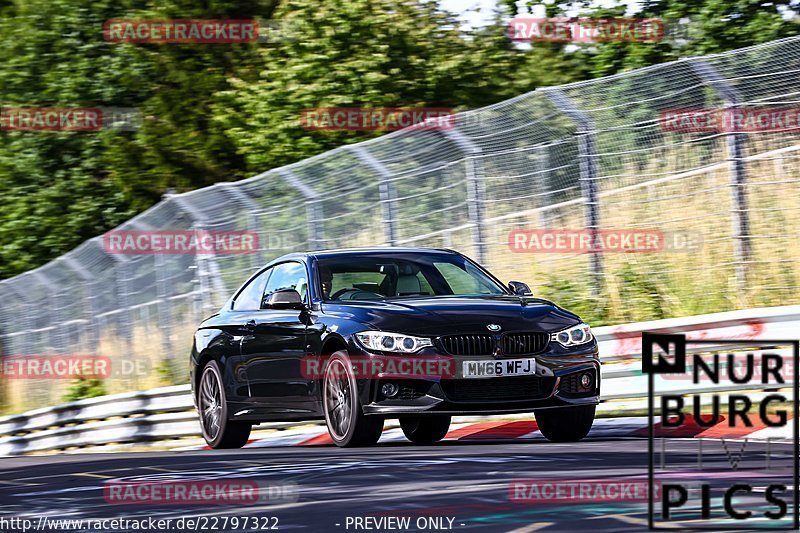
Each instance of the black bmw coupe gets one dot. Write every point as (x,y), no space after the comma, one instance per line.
(357,336)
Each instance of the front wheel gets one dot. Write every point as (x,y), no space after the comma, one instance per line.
(425,429)
(218,431)
(346,421)
(565,424)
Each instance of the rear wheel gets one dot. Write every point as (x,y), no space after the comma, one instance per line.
(218,431)
(425,429)
(344,416)
(565,424)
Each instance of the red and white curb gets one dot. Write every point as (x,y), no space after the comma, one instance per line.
(522,430)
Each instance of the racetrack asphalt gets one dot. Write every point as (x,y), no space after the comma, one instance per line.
(466,482)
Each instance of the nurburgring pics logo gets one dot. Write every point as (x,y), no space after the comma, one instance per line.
(169,242)
(377,118)
(737,368)
(743,496)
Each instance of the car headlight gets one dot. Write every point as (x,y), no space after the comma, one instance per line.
(382,341)
(580,334)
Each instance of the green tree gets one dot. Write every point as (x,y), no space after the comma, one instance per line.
(694,28)
(62,188)
(362,53)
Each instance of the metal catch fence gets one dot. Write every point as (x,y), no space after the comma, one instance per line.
(630,152)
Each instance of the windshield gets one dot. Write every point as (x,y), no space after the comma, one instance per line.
(383,276)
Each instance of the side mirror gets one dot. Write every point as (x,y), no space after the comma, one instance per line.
(283,299)
(519,288)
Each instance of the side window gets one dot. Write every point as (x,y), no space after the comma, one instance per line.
(288,276)
(250,297)
(424,286)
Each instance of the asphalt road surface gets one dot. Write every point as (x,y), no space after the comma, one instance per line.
(450,486)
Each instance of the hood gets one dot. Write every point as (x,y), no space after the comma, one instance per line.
(454,314)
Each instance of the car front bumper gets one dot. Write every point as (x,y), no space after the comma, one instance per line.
(553,386)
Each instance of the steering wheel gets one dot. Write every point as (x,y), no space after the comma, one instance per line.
(341,292)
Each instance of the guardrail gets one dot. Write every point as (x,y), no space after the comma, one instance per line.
(168,413)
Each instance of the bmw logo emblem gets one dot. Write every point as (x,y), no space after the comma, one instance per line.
(493,327)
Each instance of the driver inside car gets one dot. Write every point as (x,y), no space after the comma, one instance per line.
(326,280)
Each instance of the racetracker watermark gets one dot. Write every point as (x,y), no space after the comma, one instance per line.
(172,242)
(198,492)
(586,30)
(200,31)
(69,119)
(377,118)
(754,488)
(385,367)
(578,491)
(54,366)
(180,31)
(556,241)
(730,120)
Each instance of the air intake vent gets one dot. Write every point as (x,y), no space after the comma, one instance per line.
(524,343)
(498,389)
(468,344)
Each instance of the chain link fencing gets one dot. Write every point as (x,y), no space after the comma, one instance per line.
(593,155)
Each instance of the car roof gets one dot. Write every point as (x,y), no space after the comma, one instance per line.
(365,250)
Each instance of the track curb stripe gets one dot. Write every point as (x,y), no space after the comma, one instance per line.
(526,430)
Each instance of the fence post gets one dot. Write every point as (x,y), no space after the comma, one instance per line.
(25,319)
(125,320)
(475,188)
(251,208)
(205,293)
(88,282)
(542,165)
(162,290)
(387,192)
(20,321)
(9,320)
(587,150)
(164,313)
(313,208)
(44,317)
(198,224)
(738,179)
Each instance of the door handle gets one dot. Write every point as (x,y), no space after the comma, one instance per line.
(250,325)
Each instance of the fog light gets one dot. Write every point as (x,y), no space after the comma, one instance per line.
(389,390)
(586,380)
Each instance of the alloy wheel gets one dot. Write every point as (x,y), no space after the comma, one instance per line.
(338,399)
(210,404)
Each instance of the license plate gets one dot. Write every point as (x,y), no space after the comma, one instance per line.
(493,368)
